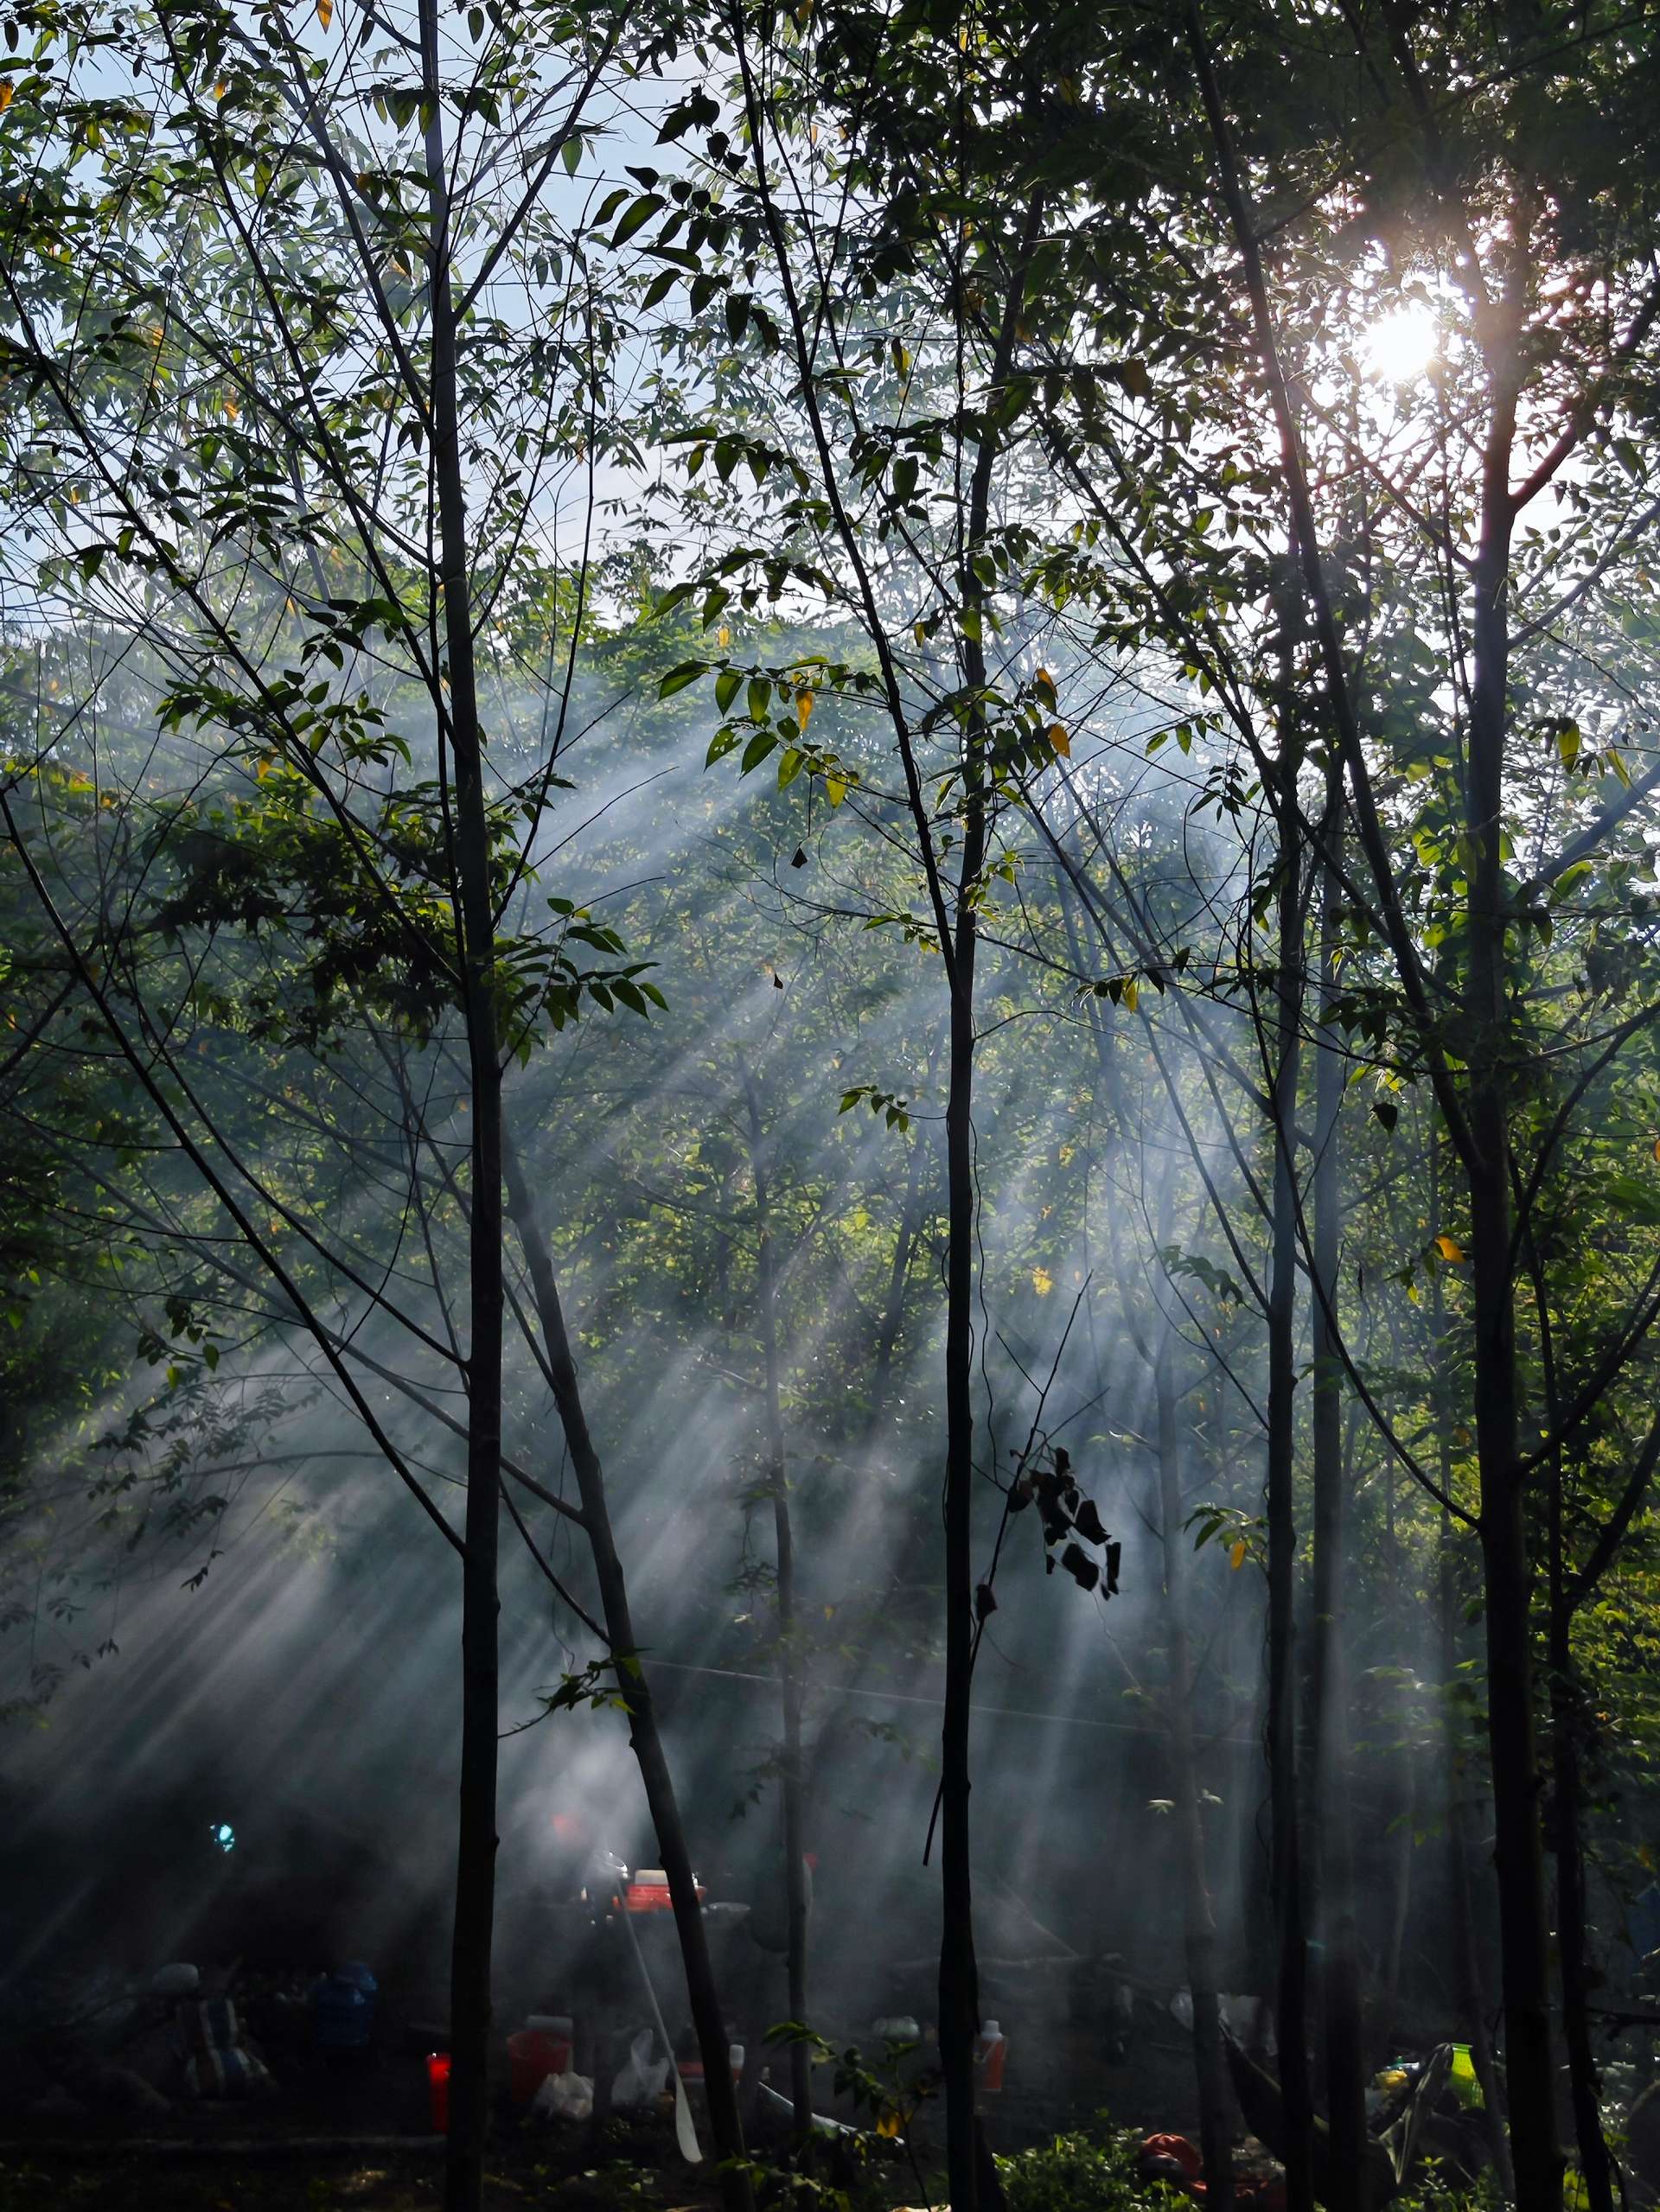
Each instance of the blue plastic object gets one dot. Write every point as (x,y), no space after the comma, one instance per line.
(342,2008)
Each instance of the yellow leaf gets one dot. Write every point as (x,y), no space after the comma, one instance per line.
(723,635)
(1042,1281)
(1447,1249)
(829,1612)
(834,790)
(325,12)
(919,633)
(804,705)
(1236,1554)
(5,91)
(1657,1148)
(231,407)
(1044,681)
(220,90)
(1060,741)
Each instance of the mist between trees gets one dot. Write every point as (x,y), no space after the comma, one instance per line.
(830,896)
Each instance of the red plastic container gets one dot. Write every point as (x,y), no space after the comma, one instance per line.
(649,1896)
(437,2085)
(532,2055)
(648,1891)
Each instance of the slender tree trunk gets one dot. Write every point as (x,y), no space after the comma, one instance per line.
(634,1682)
(1566,1705)
(1290,1993)
(1328,1791)
(1198,1921)
(1489,1047)
(1572,1943)
(789,1655)
(1472,1997)
(959,1973)
(475,1912)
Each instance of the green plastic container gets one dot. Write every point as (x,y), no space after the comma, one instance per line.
(1461,2076)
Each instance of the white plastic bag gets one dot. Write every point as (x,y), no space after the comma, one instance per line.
(643,2080)
(564,2097)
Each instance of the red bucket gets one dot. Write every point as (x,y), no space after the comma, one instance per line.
(437,2085)
(532,2055)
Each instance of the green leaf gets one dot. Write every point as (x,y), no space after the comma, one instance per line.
(757,750)
(728,685)
(648,204)
(697,108)
(678,679)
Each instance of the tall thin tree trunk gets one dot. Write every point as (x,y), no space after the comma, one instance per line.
(1567,1707)
(633,1683)
(1198,1921)
(789,1655)
(474,1910)
(1286,1874)
(1573,1946)
(1472,1996)
(1291,1992)
(1328,1784)
(1489,1045)
(959,1973)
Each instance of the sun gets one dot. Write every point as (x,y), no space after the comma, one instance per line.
(1399,345)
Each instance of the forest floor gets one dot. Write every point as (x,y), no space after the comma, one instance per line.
(634,2170)
(520,2178)
(1089,2171)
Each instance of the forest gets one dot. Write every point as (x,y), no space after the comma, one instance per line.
(829,1105)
